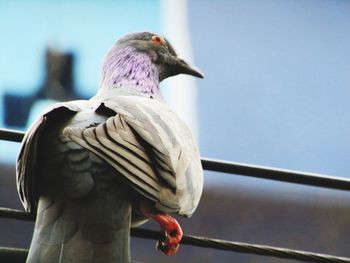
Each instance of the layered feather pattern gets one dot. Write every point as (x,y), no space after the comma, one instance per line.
(147,143)
(144,140)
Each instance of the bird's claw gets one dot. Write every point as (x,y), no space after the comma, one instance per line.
(170,242)
(171,231)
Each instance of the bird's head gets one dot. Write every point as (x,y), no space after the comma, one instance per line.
(161,53)
(141,61)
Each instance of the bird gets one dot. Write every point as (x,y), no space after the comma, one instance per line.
(91,169)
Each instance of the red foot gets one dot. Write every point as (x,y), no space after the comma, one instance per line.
(172,234)
(170,229)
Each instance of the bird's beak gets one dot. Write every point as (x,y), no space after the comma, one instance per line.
(183,67)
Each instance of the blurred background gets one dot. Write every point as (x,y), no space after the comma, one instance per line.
(276,93)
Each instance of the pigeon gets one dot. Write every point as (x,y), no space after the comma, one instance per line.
(91,169)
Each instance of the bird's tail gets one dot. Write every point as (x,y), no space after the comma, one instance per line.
(91,229)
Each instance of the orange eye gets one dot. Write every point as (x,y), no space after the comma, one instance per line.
(158,40)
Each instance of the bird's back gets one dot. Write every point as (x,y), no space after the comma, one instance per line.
(76,214)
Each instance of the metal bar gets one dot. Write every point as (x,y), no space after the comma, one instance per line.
(263,172)
(11,135)
(198,241)
(16,214)
(284,175)
(8,254)
(240,247)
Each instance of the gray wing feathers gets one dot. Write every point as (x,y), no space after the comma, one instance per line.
(89,139)
(117,144)
(176,154)
(145,142)
(25,167)
(27,157)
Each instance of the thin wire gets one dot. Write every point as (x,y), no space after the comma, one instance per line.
(16,214)
(11,135)
(276,174)
(219,244)
(241,247)
(271,173)
(8,254)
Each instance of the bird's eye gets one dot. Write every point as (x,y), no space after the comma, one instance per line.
(158,40)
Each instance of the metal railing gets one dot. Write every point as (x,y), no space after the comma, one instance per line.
(270,173)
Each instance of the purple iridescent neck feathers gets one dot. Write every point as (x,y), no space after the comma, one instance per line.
(127,68)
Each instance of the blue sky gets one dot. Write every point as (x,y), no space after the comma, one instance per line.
(277,85)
